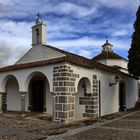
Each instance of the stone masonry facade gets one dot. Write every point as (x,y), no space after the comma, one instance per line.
(90,100)
(4,101)
(64,93)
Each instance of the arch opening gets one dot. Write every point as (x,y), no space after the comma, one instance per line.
(84,87)
(40,98)
(37,35)
(13,97)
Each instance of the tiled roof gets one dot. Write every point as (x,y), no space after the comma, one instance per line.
(108,55)
(32,64)
(70,57)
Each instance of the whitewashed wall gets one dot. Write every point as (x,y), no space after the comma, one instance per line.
(49,99)
(23,77)
(109,94)
(112,62)
(83,73)
(13,95)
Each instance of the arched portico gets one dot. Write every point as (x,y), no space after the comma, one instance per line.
(11,96)
(84,87)
(39,96)
(4,81)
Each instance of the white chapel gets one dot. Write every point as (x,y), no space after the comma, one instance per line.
(65,85)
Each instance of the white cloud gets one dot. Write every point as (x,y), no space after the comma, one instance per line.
(76,21)
(120,33)
(15,29)
(67,7)
(8,54)
(25,8)
(125,4)
(76,43)
(15,40)
(5,2)
(89,47)
(85,53)
(17,43)
(121,44)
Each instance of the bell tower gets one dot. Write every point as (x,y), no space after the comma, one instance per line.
(38,33)
(107,47)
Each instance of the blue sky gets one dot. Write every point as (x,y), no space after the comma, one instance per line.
(79,26)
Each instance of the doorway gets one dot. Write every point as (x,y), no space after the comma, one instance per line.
(37,93)
(39,98)
(122,97)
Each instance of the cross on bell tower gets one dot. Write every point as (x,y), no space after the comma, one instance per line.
(38,32)
(38,15)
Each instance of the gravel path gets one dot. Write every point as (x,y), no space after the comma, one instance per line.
(126,127)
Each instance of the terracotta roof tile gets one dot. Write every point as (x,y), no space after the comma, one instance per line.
(108,55)
(33,64)
(70,57)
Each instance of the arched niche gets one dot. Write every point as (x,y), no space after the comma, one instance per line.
(84,87)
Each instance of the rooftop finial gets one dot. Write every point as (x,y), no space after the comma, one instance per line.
(38,15)
(106,39)
(38,21)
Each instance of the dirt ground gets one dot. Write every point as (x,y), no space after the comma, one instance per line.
(39,126)
(127,128)
(31,127)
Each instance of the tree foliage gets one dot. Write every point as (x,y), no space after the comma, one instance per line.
(134,51)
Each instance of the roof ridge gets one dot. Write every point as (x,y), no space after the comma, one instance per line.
(65,52)
(33,64)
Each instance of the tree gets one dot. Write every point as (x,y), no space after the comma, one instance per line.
(134,51)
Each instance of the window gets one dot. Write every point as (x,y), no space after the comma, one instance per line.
(37,35)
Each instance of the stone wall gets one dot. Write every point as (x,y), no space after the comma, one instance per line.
(4,101)
(64,93)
